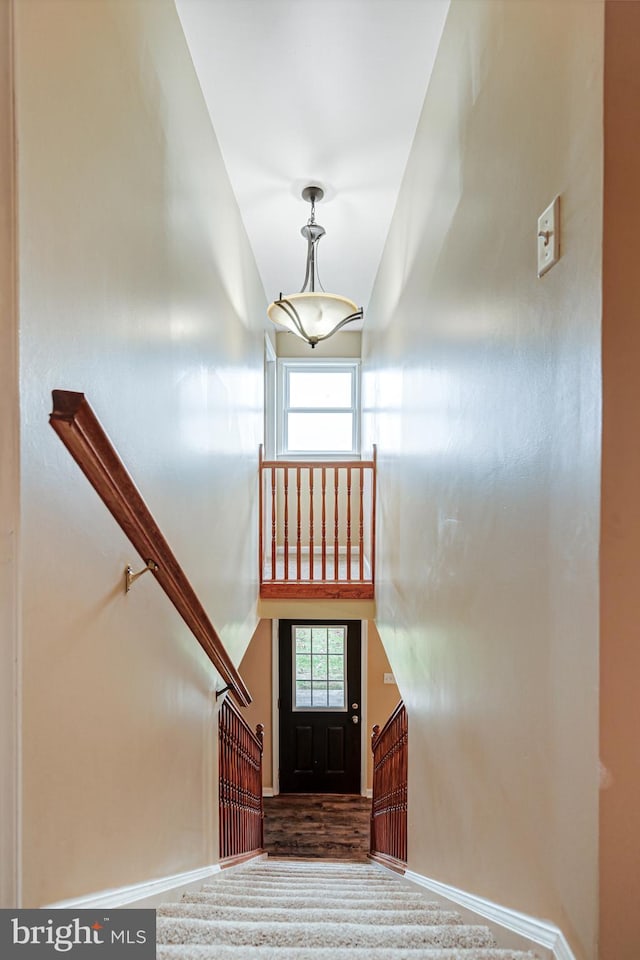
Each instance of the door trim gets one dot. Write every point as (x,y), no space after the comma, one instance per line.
(275,713)
(364,681)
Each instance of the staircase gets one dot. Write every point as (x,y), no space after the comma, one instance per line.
(322,825)
(324,910)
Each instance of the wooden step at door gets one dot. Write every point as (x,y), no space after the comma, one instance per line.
(330,826)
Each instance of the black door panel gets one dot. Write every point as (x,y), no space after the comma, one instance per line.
(320,747)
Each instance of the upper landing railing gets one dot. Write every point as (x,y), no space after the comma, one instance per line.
(84,437)
(317,528)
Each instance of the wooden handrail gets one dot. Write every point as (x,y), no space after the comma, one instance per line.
(389,803)
(240,785)
(330,464)
(84,437)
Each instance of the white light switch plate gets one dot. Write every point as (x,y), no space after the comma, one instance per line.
(549,237)
(389,678)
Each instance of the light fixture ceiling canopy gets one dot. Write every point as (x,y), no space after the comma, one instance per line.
(313,315)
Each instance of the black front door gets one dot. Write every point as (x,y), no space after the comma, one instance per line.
(320,706)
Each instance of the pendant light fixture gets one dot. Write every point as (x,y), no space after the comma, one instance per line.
(313,315)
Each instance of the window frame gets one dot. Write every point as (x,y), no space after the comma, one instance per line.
(287,366)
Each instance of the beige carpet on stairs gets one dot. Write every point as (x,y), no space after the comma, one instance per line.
(274,909)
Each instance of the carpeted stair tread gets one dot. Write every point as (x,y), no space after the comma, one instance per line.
(301,868)
(200,952)
(212,911)
(291,903)
(295,886)
(338,877)
(303,881)
(395,892)
(323,866)
(292,934)
(303,910)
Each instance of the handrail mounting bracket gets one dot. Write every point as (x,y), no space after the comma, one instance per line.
(130,577)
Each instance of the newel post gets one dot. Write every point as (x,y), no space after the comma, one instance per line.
(260,736)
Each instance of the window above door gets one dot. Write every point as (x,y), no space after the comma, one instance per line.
(318,409)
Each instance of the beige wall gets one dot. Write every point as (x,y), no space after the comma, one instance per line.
(347,343)
(382,697)
(331,609)
(9,481)
(620,543)
(137,286)
(255,669)
(483,388)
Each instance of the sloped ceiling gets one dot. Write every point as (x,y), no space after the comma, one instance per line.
(315,91)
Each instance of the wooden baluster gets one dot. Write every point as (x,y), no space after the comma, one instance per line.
(260,834)
(298,540)
(224,837)
(227,763)
(310,523)
(221,782)
(361,527)
(375,791)
(229,843)
(273,523)
(237,758)
(234,779)
(286,523)
(372,559)
(229,838)
(324,524)
(348,523)
(336,523)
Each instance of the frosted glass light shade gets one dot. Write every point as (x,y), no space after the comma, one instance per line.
(319,314)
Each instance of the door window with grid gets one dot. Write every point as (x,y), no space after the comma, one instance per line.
(320,668)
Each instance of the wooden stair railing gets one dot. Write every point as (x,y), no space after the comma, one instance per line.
(84,437)
(240,786)
(389,803)
(317,524)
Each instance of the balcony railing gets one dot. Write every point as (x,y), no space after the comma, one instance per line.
(317,528)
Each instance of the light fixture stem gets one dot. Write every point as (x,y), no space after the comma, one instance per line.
(312,264)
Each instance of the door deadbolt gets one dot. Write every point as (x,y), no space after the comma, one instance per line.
(354,706)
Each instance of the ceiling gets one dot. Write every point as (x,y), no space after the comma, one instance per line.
(315,91)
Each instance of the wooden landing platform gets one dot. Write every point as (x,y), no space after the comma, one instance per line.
(329,825)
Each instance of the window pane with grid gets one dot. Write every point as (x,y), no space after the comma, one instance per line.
(319,668)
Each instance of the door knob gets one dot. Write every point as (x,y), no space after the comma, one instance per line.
(355,720)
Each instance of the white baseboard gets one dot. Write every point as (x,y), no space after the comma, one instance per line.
(368,792)
(267,792)
(148,894)
(540,932)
